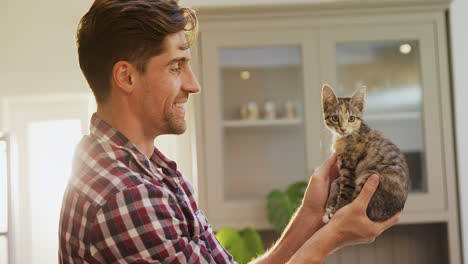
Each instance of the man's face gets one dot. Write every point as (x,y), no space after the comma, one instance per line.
(163,90)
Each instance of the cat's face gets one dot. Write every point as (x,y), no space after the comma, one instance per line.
(342,115)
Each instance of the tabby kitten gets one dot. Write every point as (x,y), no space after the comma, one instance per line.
(361,152)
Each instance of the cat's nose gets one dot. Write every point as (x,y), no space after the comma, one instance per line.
(343,130)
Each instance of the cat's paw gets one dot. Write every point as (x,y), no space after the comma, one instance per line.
(325,219)
(327,216)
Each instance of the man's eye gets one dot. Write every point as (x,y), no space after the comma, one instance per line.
(176,67)
(351,119)
(335,118)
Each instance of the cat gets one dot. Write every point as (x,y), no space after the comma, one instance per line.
(361,152)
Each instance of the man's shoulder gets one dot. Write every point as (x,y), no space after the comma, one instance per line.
(102,169)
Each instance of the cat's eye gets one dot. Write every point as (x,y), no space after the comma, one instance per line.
(351,119)
(335,118)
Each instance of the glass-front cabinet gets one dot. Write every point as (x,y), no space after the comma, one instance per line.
(261,93)
(390,71)
(396,65)
(260,117)
(256,121)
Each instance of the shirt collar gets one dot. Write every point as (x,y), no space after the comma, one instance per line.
(103,131)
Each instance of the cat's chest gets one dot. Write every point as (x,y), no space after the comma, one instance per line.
(349,148)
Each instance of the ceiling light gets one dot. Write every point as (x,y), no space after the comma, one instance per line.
(405,48)
(245,75)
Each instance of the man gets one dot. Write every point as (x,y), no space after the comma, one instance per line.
(126,202)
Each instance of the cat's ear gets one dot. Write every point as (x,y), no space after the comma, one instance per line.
(358,98)
(328,97)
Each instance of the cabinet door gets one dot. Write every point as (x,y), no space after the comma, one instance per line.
(255,121)
(398,65)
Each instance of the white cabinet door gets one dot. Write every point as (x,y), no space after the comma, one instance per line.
(248,151)
(398,65)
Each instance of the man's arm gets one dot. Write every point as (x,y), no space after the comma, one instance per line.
(307,240)
(307,219)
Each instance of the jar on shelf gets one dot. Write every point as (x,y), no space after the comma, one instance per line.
(289,110)
(269,110)
(252,110)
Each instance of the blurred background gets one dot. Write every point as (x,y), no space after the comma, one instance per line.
(255,132)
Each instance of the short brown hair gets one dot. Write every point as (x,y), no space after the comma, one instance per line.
(130,30)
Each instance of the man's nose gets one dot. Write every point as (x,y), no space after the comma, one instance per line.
(190,82)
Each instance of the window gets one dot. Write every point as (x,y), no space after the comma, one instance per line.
(45,131)
(50,150)
(4,191)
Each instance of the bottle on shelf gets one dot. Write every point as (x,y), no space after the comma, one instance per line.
(289,110)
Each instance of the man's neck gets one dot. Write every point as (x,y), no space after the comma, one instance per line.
(122,120)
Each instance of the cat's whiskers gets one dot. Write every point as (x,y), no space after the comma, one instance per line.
(324,138)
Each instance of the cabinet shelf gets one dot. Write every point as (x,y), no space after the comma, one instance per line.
(262,122)
(393,116)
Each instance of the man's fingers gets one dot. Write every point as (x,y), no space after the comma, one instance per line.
(328,164)
(368,190)
(334,172)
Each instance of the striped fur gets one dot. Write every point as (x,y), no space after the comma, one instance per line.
(362,152)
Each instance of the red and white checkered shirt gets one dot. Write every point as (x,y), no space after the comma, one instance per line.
(121,207)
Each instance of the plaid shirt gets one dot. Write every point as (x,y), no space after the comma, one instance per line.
(121,207)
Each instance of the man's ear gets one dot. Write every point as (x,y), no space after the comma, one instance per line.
(123,75)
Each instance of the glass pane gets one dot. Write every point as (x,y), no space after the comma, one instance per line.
(261,95)
(391,72)
(3,250)
(3,188)
(51,147)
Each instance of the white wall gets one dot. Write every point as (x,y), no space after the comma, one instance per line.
(459,52)
(38,50)
(219,3)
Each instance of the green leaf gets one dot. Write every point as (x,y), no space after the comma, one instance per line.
(279,209)
(281,206)
(253,241)
(296,193)
(228,236)
(242,246)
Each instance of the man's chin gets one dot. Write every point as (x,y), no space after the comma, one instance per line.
(177,129)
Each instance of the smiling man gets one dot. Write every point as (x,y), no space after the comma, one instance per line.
(145,104)
(126,202)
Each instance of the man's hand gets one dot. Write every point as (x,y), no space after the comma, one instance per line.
(317,191)
(351,223)
(308,219)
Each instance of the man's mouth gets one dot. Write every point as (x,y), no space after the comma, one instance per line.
(180,108)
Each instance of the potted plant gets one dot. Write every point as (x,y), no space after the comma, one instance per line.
(282,205)
(243,246)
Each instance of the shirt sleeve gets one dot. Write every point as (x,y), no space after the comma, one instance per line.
(144,224)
